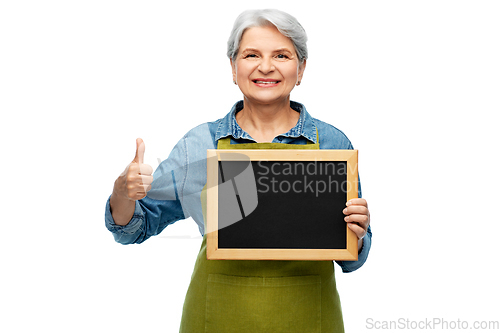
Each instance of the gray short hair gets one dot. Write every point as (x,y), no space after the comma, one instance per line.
(284,22)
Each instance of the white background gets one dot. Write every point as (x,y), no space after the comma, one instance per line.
(414,84)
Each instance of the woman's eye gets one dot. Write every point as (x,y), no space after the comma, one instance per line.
(250,56)
(282,56)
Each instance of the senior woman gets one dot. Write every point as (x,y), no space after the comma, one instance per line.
(267,52)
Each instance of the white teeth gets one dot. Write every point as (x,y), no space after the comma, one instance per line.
(266,82)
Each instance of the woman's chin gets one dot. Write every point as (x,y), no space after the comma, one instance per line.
(267,99)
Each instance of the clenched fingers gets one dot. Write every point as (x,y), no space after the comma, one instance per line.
(140,169)
(138,181)
(357,216)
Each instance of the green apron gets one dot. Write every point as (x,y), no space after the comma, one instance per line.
(261,296)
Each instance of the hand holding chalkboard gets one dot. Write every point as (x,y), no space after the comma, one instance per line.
(300,207)
(357,217)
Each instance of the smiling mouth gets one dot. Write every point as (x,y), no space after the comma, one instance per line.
(266,82)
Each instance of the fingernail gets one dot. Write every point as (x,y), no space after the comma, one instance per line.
(346,218)
(344,211)
(348,203)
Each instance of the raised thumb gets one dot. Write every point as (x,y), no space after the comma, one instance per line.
(139,152)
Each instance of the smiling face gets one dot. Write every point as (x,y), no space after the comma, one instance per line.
(266,68)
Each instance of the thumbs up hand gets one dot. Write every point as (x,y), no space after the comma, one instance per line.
(135,181)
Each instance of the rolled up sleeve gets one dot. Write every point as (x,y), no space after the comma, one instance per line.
(149,219)
(125,234)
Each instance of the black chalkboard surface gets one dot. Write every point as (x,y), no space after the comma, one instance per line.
(280,204)
(299,206)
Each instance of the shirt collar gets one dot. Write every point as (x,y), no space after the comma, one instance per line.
(305,126)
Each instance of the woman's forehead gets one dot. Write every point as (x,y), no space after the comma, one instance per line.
(265,38)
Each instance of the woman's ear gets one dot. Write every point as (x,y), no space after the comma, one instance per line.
(302,67)
(233,69)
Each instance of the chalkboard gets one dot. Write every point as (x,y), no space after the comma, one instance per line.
(280,204)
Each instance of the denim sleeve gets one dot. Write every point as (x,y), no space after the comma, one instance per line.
(149,219)
(351,266)
(160,208)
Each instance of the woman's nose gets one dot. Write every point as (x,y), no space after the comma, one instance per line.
(266,65)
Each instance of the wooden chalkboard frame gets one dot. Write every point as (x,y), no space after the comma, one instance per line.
(216,155)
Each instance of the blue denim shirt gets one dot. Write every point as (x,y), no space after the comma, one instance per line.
(178,180)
